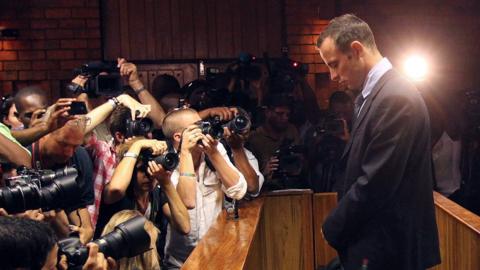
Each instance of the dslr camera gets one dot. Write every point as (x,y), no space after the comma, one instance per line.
(240,124)
(127,240)
(138,127)
(169,160)
(290,160)
(103,79)
(45,189)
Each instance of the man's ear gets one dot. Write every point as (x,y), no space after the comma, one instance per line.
(119,137)
(357,49)
(177,137)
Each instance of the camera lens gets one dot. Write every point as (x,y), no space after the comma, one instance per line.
(169,161)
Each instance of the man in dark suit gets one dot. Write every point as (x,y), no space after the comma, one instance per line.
(385,216)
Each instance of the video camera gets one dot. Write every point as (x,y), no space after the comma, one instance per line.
(103,79)
(45,189)
(169,160)
(243,68)
(284,73)
(202,95)
(128,239)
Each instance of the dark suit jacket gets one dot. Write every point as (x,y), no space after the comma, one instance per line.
(385,211)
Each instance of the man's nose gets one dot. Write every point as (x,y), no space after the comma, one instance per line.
(334,76)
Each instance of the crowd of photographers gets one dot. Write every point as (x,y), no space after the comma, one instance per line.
(117,176)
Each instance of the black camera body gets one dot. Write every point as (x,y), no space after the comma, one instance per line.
(243,68)
(45,189)
(138,127)
(290,162)
(127,240)
(212,127)
(99,84)
(284,74)
(169,160)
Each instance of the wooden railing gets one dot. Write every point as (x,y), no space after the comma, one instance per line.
(459,233)
(281,230)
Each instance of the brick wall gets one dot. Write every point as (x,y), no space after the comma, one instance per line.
(305,20)
(55,36)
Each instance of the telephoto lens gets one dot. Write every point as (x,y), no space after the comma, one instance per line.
(169,161)
(41,189)
(127,240)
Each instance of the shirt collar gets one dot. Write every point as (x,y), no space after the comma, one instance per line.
(374,76)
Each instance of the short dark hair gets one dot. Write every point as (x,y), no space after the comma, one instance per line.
(118,119)
(25,242)
(164,84)
(278,100)
(344,30)
(27,91)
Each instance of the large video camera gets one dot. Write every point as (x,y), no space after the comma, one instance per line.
(244,69)
(169,160)
(103,79)
(128,239)
(284,73)
(45,189)
(202,95)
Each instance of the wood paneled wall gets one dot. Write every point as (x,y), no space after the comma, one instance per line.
(190,29)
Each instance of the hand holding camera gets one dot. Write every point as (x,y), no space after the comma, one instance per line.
(190,137)
(158,172)
(56,115)
(209,145)
(157,147)
(137,109)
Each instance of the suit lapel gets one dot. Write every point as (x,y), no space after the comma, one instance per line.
(366,107)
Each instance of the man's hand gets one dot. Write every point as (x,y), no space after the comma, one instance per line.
(37,117)
(209,145)
(57,114)
(134,106)
(129,70)
(157,147)
(96,260)
(190,136)
(224,113)
(3,212)
(271,167)
(32,214)
(235,141)
(82,233)
(159,173)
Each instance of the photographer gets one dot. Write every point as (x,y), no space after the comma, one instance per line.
(204,171)
(266,139)
(62,148)
(36,116)
(326,141)
(32,245)
(134,185)
(245,162)
(8,113)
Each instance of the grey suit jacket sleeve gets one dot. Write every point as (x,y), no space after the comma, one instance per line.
(392,127)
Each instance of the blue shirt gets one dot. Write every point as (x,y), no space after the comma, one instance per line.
(373,77)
